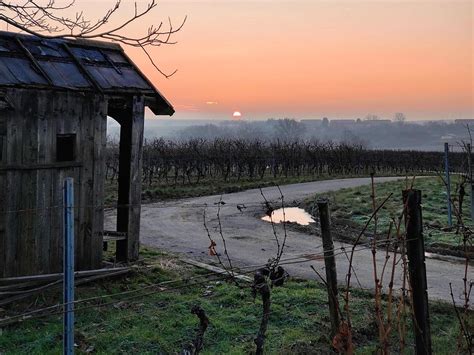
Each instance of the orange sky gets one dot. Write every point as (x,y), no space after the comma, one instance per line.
(311,58)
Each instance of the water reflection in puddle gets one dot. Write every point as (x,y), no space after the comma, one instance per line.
(292,214)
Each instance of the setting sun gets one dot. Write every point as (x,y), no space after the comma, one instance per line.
(236,114)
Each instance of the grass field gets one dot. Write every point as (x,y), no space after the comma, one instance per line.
(161,321)
(163,191)
(355,205)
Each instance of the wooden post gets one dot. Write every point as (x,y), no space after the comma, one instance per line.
(417,270)
(68,262)
(448,183)
(330,264)
(130,178)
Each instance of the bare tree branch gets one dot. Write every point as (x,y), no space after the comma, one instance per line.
(48,20)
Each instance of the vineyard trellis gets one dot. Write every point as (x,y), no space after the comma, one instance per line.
(192,161)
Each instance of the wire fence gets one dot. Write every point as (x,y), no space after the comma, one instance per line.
(137,295)
(167,286)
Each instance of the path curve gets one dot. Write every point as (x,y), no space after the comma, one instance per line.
(177,226)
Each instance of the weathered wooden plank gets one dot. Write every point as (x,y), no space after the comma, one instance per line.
(43,225)
(136,176)
(42,166)
(29,216)
(215,269)
(56,240)
(14,151)
(57,284)
(13,218)
(26,262)
(100,141)
(84,183)
(43,184)
(2,221)
(3,196)
(57,276)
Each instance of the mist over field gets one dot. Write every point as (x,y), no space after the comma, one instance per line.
(371,134)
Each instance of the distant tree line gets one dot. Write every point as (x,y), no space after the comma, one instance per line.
(190,161)
(371,133)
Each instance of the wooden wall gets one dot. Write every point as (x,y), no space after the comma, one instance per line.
(31,180)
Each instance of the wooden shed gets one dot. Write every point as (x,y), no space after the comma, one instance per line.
(55,96)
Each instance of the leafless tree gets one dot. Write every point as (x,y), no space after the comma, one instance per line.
(400,117)
(52,20)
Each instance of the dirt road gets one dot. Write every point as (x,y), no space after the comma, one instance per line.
(177,226)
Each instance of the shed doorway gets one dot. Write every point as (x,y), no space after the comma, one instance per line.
(129,114)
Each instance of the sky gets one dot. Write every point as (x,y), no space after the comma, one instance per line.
(312,59)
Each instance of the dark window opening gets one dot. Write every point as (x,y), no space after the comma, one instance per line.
(65,147)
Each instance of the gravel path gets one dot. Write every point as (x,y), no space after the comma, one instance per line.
(177,226)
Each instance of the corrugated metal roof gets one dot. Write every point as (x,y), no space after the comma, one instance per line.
(28,61)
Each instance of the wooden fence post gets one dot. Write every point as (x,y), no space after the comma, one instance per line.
(68,267)
(471,185)
(330,264)
(417,270)
(448,183)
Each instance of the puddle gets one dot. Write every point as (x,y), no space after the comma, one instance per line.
(292,214)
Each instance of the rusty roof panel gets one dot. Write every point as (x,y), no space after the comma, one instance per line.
(43,48)
(64,74)
(109,78)
(115,56)
(134,79)
(9,46)
(88,55)
(21,71)
(6,77)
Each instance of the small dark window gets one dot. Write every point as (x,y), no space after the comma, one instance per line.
(65,147)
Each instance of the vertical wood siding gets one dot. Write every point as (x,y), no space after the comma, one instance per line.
(31,239)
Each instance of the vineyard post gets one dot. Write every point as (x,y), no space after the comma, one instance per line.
(469,163)
(417,270)
(68,267)
(448,183)
(330,264)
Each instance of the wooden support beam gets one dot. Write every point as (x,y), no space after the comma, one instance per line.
(59,165)
(58,283)
(33,61)
(130,179)
(83,69)
(58,276)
